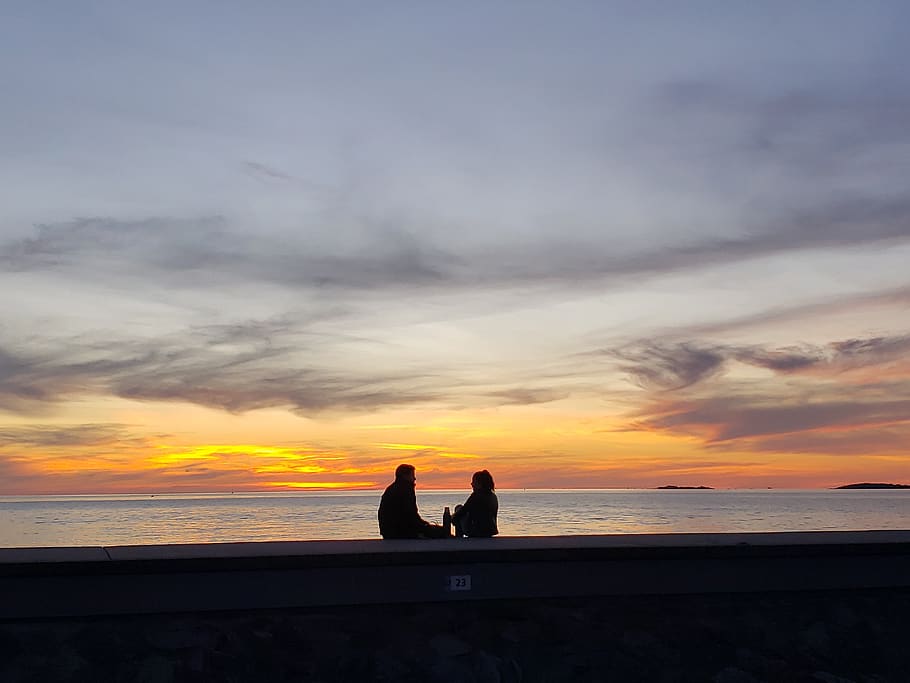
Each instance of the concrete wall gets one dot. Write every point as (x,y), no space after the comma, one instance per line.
(68,582)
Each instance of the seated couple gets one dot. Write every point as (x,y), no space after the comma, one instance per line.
(398,516)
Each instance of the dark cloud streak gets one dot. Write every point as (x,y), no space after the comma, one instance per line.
(655,367)
(730,418)
(670,366)
(842,395)
(527,396)
(206,253)
(234,367)
(55,436)
(899,296)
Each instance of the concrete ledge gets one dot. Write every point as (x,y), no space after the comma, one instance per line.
(52,582)
(37,556)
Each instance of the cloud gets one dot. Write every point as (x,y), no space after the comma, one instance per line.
(384,255)
(206,253)
(786,360)
(837,357)
(63,436)
(898,296)
(258,170)
(53,458)
(236,367)
(731,417)
(671,366)
(875,348)
(859,441)
(848,396)
(116,457)
(27,382)
(527,396)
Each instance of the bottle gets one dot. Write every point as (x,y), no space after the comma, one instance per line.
(447,521)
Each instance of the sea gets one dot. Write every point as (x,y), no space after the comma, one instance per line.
(142,519)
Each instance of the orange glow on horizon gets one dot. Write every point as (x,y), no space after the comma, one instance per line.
(321,484)
(524,448)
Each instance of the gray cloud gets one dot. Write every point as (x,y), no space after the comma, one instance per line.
(23,448)
(788,360)
(822,409)
(733,417)
(28,381)
(862,350)
(857,441)
(838,356)
(677,365)
(527,396)
(896,296)
(56,436)
(669,368)
(258,170)
(231,367)
(207,253)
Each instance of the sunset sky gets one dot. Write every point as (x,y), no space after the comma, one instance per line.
(254,246)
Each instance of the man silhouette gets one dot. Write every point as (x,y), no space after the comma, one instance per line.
(398,515)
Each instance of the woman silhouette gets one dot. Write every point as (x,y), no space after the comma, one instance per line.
(477,517)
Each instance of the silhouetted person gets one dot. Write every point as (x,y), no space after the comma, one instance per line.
(477,517)
(398,516)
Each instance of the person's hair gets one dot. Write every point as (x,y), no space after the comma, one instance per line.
(484,480)
(403,469)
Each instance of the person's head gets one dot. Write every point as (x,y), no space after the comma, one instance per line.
(482,481)
(406,473)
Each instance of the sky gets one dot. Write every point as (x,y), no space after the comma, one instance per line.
(287,246)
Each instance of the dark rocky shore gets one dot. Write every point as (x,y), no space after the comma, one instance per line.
(826,637)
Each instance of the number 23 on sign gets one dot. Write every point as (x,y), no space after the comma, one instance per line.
(461,582)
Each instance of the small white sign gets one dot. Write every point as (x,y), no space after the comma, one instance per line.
(460,583)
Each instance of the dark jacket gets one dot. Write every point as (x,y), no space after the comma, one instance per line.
(477,516)
(398,516)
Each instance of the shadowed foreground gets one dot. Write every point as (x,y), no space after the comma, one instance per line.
(727,608)
(828,637)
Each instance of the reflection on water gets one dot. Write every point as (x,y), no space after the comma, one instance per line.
(208,518)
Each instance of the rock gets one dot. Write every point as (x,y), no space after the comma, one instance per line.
(826,677)
(177,638)
(510,671)
(638,641)
(733,675)
(817,639)
(26,669)
(390,667)
(486,667)
(68,662)
(836,638)
(453,670)
(515,631)
(195,660)
(155,669)
(449,646)
(758,664)
(844,617)
(511,633)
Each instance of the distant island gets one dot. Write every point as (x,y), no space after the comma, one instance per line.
(697,488)
(867,485)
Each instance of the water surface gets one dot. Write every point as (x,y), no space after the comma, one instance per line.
(35,521)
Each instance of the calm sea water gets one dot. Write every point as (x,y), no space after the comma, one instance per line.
(36,521)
